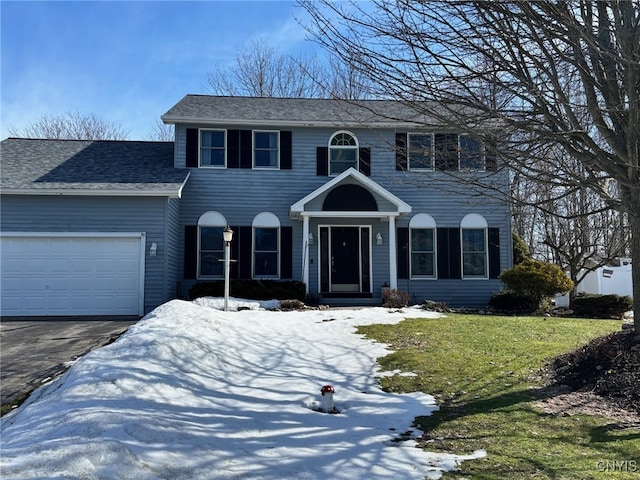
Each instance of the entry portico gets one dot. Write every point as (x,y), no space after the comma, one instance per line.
(342,213)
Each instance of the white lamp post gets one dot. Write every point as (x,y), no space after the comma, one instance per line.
(227,235)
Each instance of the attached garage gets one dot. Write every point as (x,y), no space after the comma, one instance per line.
(69,274)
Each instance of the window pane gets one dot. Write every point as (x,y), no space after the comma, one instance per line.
(342,159)
(211,238)
(446,151)
(266,264)
(473,264)
(420,150)
(422,240)
(210,264)
(470,154)
(212,138)
(422,264)
(266,158)
(473,240)
(266,140)
(266,239)
(209,157)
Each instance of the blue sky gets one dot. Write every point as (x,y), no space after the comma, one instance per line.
(124,61)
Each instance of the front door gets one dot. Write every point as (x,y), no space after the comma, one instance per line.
(345,259)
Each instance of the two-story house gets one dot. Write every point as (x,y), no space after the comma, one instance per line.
(347,197)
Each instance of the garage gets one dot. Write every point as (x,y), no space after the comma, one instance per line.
(71,274)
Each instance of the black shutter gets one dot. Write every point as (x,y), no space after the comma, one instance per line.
(245,260)
(285,150)
(286,252)
(191,154)
(190,251)
(246,149)
(494,252)
(322,161)
(403,252)
(490,158)
(401,151)
(364,161)
(449,253)
(233,148)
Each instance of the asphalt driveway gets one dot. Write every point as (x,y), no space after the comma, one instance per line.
(35,350)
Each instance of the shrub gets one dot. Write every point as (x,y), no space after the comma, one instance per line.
(251,289)
(536,280)
(509,301)
(601,306)
(520,249)
(395,298)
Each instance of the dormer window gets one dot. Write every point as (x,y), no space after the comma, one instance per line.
(343,152)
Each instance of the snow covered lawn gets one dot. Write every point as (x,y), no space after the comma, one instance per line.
(192,392)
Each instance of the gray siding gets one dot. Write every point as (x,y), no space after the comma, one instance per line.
(97,214)
(240,194)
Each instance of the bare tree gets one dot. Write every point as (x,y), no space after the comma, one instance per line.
(71,126)
(545,75)
(261,71)
(162,132)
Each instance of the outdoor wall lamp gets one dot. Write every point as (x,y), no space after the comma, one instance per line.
(153,249)
(379,240)
(227,236)
(310,238)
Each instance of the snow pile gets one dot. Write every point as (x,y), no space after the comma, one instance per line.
(192,392)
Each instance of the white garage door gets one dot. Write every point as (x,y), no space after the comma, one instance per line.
(71,274)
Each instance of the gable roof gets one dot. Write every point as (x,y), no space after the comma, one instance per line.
(89,167)
(298,209)
(306,112)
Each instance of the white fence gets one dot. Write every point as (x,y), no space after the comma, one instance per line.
(608,280)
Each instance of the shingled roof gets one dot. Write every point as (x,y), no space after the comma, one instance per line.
(88,167)
(272,111)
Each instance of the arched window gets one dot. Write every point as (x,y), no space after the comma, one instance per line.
(343,152)
(210,245)
(473,231)
(266,246)
(423,246)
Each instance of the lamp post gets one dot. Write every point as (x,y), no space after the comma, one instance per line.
(227,236)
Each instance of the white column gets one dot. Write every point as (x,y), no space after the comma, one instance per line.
(393,258)
(305,251)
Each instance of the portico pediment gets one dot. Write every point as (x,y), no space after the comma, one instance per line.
(350,194)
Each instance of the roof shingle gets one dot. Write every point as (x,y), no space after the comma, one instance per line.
(68,166)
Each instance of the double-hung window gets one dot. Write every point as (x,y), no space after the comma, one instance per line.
(423,253)
(266,153)
(420,151)
(211,252)
(343,153)
(422,246)
(471,155)
(212,148)
(474,246)
(266,246)
(210,245)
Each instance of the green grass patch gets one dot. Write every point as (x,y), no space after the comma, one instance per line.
(485,372)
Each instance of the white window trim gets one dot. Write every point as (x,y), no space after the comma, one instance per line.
(253,150)
(200,130)
(348,147)
(424,221)
(475,221)
(433,162)
(265,220)
(211,219)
